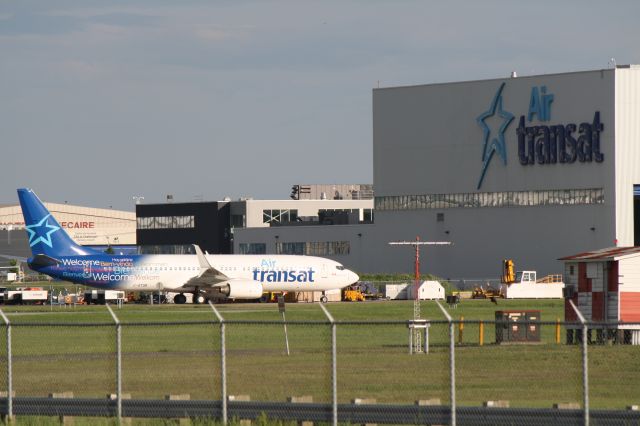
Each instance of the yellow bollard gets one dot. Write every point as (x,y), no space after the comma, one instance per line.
(481,333)
(460,329)
(557,331)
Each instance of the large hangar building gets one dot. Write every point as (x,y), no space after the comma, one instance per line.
(528,168)
(87,226)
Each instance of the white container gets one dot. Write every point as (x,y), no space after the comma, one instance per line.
(396,291)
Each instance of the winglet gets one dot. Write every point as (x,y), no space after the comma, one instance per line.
(206,268)
(204,263)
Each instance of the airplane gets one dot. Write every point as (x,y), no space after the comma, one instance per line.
(208,277)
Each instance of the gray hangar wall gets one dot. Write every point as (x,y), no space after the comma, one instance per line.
(573,131)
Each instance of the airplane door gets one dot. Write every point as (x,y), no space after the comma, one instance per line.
(324,272)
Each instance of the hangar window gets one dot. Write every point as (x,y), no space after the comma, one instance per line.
(491,199)
(315,248)
(165,222)
(253,248)
(290,248)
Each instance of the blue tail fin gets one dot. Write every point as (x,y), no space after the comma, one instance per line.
(46,236)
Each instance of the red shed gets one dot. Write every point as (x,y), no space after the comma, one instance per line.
(605,286)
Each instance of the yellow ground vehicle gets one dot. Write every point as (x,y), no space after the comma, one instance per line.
(487,292)
(352,294)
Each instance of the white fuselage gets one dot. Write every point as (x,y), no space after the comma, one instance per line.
(173,272)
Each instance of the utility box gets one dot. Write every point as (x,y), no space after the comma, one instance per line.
(517,326)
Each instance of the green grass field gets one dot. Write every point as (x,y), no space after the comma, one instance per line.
(373,359)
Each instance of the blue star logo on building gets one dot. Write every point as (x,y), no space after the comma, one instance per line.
(493,141)
(41,232)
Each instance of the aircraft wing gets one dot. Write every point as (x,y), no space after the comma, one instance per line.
(208,276)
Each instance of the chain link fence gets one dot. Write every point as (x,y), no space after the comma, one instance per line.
(312,367)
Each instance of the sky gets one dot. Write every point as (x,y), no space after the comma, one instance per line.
(101,101)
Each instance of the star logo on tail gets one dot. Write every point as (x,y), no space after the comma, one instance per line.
(493,141)
(41,232)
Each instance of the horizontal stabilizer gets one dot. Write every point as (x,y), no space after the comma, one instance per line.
(43,260)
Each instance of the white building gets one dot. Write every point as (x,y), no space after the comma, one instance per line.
(605,287)
(527,168)
(312,227)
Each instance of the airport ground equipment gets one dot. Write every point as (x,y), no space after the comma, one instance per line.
(453,300)
(416,298)
(415,327)
(526,285)
(361,291)
(416,244)
(352,293)
(370,290)
(100,297)
(23,295)
(486,292)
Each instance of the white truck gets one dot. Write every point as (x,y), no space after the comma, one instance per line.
(23,295)
(100,297)
(526,286)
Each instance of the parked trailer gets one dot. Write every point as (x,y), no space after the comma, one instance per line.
(22,296)
(427,290)
(100,297)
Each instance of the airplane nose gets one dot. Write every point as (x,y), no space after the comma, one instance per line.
(353,277)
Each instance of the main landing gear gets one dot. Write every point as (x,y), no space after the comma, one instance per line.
(198,298)
(181,299)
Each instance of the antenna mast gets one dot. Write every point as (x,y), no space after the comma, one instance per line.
(416,284)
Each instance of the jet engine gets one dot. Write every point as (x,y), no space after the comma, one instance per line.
(242,289)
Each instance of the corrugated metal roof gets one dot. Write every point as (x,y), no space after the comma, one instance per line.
(611,253)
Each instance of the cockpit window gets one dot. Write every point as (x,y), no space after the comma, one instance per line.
(340,267)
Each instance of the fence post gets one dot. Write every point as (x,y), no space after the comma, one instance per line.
(9,369)
(118,364)
(223,363)
(452,360)
(585,363)
(334,369)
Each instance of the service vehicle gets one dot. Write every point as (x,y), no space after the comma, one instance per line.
(526,285)
(23,295)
